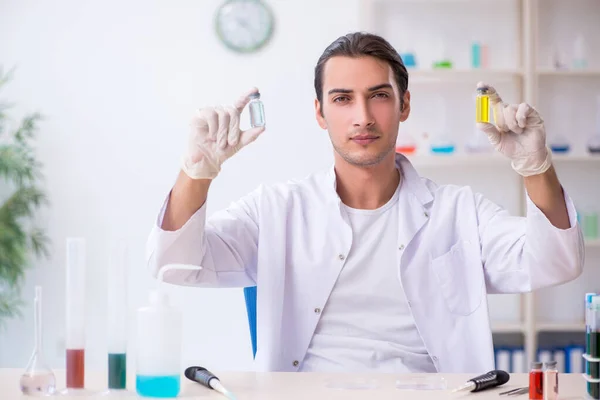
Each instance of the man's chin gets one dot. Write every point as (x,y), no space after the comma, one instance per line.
(365,158)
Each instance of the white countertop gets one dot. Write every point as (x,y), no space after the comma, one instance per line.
(309,386)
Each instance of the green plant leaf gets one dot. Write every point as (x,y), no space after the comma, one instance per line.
(19,173)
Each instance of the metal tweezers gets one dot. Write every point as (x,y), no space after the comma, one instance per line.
(516,392)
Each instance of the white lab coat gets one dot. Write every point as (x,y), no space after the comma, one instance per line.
(291,241)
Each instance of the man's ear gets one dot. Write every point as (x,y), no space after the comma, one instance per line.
(319,115)
(405,111)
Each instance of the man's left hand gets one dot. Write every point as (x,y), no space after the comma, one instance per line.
(519,134)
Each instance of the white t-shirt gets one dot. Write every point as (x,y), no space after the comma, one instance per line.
(366,324)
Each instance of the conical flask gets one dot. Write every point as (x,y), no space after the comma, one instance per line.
(38,379)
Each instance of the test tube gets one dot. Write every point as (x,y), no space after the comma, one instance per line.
(117,316)
(75,313)
(482,105)
(588,330)
(594,388)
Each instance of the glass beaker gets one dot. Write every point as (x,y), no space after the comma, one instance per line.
(405,143)
(558,142)
(478,142)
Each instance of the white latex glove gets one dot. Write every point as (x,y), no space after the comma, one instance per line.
(519,134)
(215,136)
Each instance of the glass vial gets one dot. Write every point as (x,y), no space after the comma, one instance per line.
(257,111)
(550,384)
(536,381)
(482,105)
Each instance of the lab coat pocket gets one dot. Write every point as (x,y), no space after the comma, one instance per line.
(460,278)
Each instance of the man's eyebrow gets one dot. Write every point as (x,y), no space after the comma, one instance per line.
(371,89)
(382,86)
(347,91)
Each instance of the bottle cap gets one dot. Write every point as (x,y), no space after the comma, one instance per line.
(550,364)
(536,365)
(255,95)
(158,297)
(589,297)
(482,90)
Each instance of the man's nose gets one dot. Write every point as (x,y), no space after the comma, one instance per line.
(363,118)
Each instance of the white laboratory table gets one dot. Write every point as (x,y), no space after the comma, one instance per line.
(307,386)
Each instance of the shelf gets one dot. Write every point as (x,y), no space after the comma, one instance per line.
(458,160)
(569,72)
(486,159)
(507,327)
(576,158)
(560,327)
(592,242)
(460,75)
(440,1)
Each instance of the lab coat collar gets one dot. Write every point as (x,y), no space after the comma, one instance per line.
(411,181)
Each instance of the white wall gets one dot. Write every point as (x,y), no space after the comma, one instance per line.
(118,82)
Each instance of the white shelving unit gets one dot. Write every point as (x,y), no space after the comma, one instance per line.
(524,77)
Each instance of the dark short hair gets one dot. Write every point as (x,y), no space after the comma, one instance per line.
(361,44)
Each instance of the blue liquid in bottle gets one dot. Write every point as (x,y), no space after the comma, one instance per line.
(560,148)
(449,149)
(157,386)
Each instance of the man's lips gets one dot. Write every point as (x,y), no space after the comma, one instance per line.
(365,139)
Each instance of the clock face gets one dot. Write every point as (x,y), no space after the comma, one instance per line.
(244,25)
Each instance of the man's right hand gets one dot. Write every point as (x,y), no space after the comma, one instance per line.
(216,136)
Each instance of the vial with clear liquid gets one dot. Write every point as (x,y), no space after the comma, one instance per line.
(482,112)
(257,111)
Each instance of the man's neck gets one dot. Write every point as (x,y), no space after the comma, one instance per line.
(367,188)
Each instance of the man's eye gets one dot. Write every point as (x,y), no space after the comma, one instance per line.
(340,99)
(382,95)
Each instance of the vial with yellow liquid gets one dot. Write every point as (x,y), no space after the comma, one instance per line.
(482,102)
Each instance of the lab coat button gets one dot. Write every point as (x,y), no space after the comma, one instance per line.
(341,257)
(401,247)
(426,214)
(317,311)
(296,363)
(435,358)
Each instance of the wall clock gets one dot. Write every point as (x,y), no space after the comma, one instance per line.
(244,26)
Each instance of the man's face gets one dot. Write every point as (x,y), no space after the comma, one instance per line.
(361,108)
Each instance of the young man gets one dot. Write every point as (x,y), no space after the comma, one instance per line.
(367,266)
